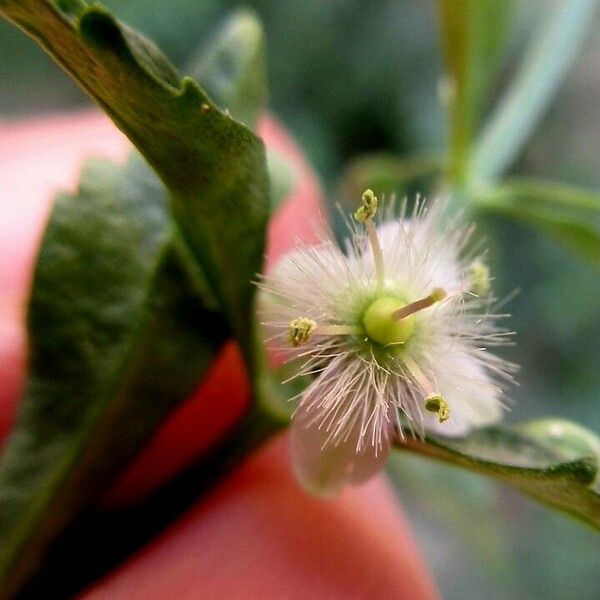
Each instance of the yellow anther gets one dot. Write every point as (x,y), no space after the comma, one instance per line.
(368,208)
(436,404)
(479,276)
(438,294)
(301,330)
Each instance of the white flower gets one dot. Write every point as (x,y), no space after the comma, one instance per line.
(394,333)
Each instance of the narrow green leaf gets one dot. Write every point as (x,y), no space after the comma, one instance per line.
(116,340)
(557,463)
(568,214)
(551,194)
(473,34)
(542,69)
(213,166)
(232,67)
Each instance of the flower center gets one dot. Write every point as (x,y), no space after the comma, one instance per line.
(381,324)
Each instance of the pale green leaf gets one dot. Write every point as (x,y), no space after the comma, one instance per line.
(540,73)
(232,67)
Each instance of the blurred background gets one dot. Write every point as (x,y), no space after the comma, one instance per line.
(350,77)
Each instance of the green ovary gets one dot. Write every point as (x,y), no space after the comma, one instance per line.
(380,325)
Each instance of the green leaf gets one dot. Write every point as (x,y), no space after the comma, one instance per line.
(473,34)
(555,462)
(569,214)
(117,339)
(551,194)
(232,68)
(213,166)
(569,440)
(542,69)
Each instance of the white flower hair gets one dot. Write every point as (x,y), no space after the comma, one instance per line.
(395,333)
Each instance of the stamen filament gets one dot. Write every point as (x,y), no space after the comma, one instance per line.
(302,329)
(336,330)
(434,401)
(377,254)
(419,376)
(436,295)
(365,214)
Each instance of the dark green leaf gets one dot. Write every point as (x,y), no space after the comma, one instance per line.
(116,340)
(232,67)
(66,569)
(553,461)
(213,166)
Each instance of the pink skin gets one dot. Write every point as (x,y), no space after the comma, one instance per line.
(257,534)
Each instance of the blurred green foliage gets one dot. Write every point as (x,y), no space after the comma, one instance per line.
(351,77)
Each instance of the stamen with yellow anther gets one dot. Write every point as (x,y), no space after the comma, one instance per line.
(479,277)
(365,214)
(437,295)
(300,331)
(435,403)
(368,208)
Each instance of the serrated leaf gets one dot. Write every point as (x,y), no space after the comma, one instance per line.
(542,69)
(568,214)
(213,166)
(232,67)
(560,474)
(117,338)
